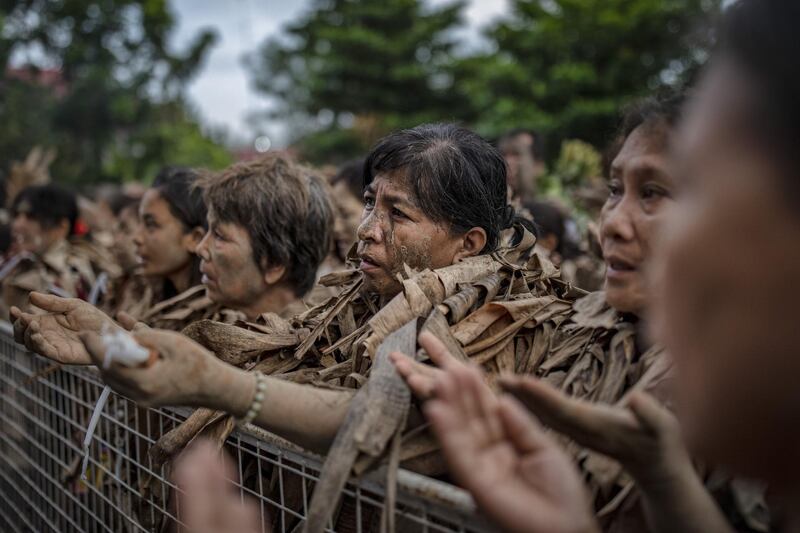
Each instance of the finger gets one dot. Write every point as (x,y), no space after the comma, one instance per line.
(596,426)
(415,375)
(126,321)
(94,346)
(470,401)
(651,415)
(437,351)
(52,303)
(523,429)
(19,330)
(459,446)
(475,384)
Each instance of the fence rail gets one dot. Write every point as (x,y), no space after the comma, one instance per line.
(44,411)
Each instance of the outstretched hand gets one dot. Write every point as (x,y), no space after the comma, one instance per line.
(55,333)
(641,434)
(515,472)
(184,373)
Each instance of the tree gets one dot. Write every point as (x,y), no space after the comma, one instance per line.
(566,67)
(99,75)
(350,70)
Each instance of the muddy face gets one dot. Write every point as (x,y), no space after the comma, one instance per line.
(641,187)
(395,231)
(230,273)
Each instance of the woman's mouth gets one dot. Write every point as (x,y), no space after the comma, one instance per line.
(617,268)
(367,266)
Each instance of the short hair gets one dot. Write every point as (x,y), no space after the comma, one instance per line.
(285,209)
(176,185)
(47,204)
(537,146)
(457,177)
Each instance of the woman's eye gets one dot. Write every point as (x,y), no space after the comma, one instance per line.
(397,213)
(653,192)
(369,201)
(614,189)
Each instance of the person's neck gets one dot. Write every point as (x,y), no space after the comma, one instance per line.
(182,279)
(273,300)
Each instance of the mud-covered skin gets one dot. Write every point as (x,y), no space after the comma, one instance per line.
(230,273)
(395,231)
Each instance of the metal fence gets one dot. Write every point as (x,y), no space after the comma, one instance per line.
(44,411)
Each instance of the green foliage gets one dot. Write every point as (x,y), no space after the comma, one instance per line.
(578,164)
(109,99)
(563,67)
(567,66)
(344,60)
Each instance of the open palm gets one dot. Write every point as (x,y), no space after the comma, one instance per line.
(497,451)
(55,334)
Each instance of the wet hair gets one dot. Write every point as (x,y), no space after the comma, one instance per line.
(285,209)
(457,177)
(760,37)
(659,114)
(47,204)
(352,174)
(176,185)
(537,146)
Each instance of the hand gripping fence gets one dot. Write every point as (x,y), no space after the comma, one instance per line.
(43,419)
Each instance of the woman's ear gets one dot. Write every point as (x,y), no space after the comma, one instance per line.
(472,243)
(274,274)
(192,239)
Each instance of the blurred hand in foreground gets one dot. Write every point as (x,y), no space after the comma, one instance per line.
(497,451)
(644,437)
(208,501)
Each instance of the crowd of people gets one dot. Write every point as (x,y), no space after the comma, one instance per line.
(272,294)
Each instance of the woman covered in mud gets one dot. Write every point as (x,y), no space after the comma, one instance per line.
(435,195)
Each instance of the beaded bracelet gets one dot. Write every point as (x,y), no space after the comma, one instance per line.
(258,398)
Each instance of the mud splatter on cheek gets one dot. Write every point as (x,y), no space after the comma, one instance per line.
(417,255)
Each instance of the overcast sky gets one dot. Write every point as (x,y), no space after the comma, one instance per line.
(221,91)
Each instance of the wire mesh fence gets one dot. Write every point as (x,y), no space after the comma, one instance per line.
(44,411)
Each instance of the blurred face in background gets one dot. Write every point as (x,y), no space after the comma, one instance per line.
(728,286)
(523,169)
(126,226)
(30,235)
(164,246)
(640,187)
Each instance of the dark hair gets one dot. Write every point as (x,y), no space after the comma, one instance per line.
(176,187)
(118,202)
(661,113)
(550,220)
(47,204)
(286,210)
(760,37)
(457,177)
(352,174)
(537,146)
